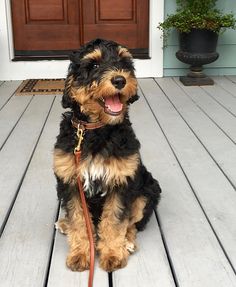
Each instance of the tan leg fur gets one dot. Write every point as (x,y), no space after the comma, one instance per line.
(136,215)
(78,258)
(117,239)
(112,244)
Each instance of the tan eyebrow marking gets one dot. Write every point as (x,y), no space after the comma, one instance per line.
(94,55)
(123,52)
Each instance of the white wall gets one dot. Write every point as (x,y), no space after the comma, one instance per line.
(21,70)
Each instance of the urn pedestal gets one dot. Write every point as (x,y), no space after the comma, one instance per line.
(197,48)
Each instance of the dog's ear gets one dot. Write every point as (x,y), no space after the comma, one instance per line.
(66,98)
(74,58)
(133,99)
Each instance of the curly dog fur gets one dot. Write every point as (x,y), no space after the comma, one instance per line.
(121,194)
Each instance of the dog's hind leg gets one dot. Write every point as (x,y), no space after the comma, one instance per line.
(130,243)
(62,225)
(78,258)
(136,215)
(112,232)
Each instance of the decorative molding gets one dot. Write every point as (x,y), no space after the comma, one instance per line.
(61,17)
(131,19)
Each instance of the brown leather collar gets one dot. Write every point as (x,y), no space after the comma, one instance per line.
(78,124)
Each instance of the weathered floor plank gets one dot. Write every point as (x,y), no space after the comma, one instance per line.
(223,97)
(232,78)
(10,115)
(227,83)
(26,241)
(225,120)
(15,155)
(7,90)
(185,145)
(192,246)
(219,146)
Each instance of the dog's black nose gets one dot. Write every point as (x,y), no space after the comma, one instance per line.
(118,82)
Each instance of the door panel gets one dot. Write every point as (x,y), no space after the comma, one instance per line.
(121,11)
(125,21)
(46,10)
(46,24)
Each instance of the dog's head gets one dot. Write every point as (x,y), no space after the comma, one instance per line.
(100,82)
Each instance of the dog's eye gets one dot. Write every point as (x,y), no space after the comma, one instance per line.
(95,65)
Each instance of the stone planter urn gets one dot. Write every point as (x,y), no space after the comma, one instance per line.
(197,48)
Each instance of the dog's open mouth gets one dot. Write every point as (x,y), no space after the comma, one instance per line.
(112,105)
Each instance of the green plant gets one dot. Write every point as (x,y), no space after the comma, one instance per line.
(197,14)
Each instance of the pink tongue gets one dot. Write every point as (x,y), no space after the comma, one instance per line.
(113,103)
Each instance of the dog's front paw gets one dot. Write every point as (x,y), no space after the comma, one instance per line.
(78,261)
(112,261)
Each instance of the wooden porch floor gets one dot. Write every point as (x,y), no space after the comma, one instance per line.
(188,137)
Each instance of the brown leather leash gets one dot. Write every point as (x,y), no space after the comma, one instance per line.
(81,126)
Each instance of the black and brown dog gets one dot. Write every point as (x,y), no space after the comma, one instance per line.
(121,193)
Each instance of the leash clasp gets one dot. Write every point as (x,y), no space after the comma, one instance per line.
(80,136)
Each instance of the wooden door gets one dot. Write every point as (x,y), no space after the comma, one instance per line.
(52,28)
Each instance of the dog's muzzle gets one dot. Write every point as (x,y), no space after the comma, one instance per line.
(112,104)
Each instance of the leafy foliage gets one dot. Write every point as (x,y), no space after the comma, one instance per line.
(197,14)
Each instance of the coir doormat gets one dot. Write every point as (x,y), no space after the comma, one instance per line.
(41,87)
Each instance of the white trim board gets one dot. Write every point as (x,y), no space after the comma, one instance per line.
(21,70)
